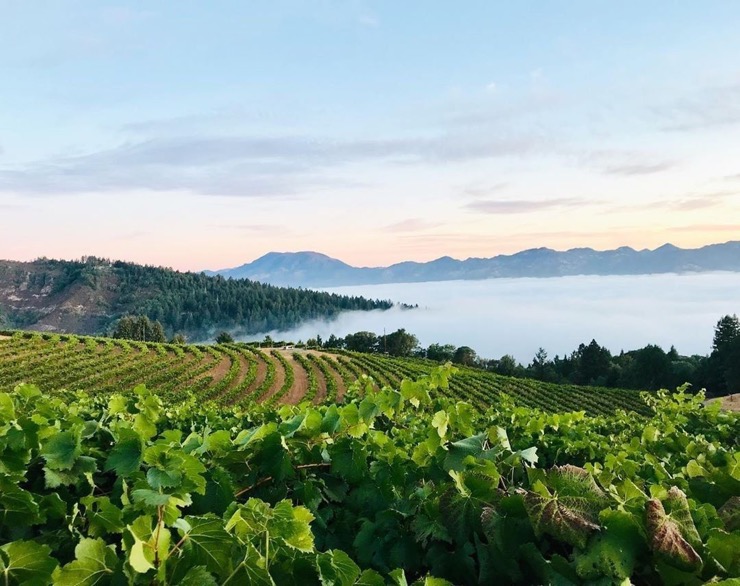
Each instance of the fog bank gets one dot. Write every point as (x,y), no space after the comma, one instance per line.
(517,316)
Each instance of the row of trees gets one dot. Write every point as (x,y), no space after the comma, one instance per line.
(398,343)
(648,368)
(140,328)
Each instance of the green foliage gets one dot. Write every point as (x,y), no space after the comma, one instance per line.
(392,487)
(224,338)
(139,327)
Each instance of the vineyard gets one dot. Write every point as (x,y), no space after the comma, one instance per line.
(390,487)
(238,374)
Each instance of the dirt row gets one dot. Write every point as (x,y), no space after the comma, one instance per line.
(295,394)
(226,374)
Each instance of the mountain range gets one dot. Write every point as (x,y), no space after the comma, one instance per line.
(313,269)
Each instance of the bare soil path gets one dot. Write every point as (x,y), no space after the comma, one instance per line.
(730,402)
(220,369)
(300,382)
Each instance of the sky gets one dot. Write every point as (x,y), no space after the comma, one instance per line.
(204,134)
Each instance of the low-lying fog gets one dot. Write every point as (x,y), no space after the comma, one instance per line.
(517,316)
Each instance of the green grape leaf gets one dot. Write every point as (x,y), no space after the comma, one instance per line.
(292,525)
(667,539)
(460,514)
(251,570)
(370,578)
(556,571)
(102,515)
(459,450)
(217,442)
(198,576)
(207,542)
(169,478)
(18,508)
(117,405)
(336,568)
(7,407)
(94,564)
(126,456)
(62,450)
(146,543)
(283,524)
(150,497)
(26,563)
(83,466)
(725,548)
(440,421)
(397,576)
(614,551)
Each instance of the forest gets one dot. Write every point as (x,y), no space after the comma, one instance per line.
(190,303)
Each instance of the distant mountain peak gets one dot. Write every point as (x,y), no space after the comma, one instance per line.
(314,269)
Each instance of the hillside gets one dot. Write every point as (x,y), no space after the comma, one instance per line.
(238,374)
(85,297)
(311,269)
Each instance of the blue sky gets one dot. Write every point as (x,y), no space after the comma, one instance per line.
(197,134)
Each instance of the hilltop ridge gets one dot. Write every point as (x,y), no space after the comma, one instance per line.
(87,296)
(313,269)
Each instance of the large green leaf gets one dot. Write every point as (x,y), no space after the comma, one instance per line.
(126,456)
(18,507)
(198,576)
(725,548)
(62,449)
(103,516)
(207,543)
(292,525)
(147,541)
(283,524)
(7,407)
(336,568)
(370,578)
(460,515)
(252,570)
(26,563)
(613,552)
(94,564)
(459,450)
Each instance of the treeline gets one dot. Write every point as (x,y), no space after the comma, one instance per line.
(193,303)
(648,368)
